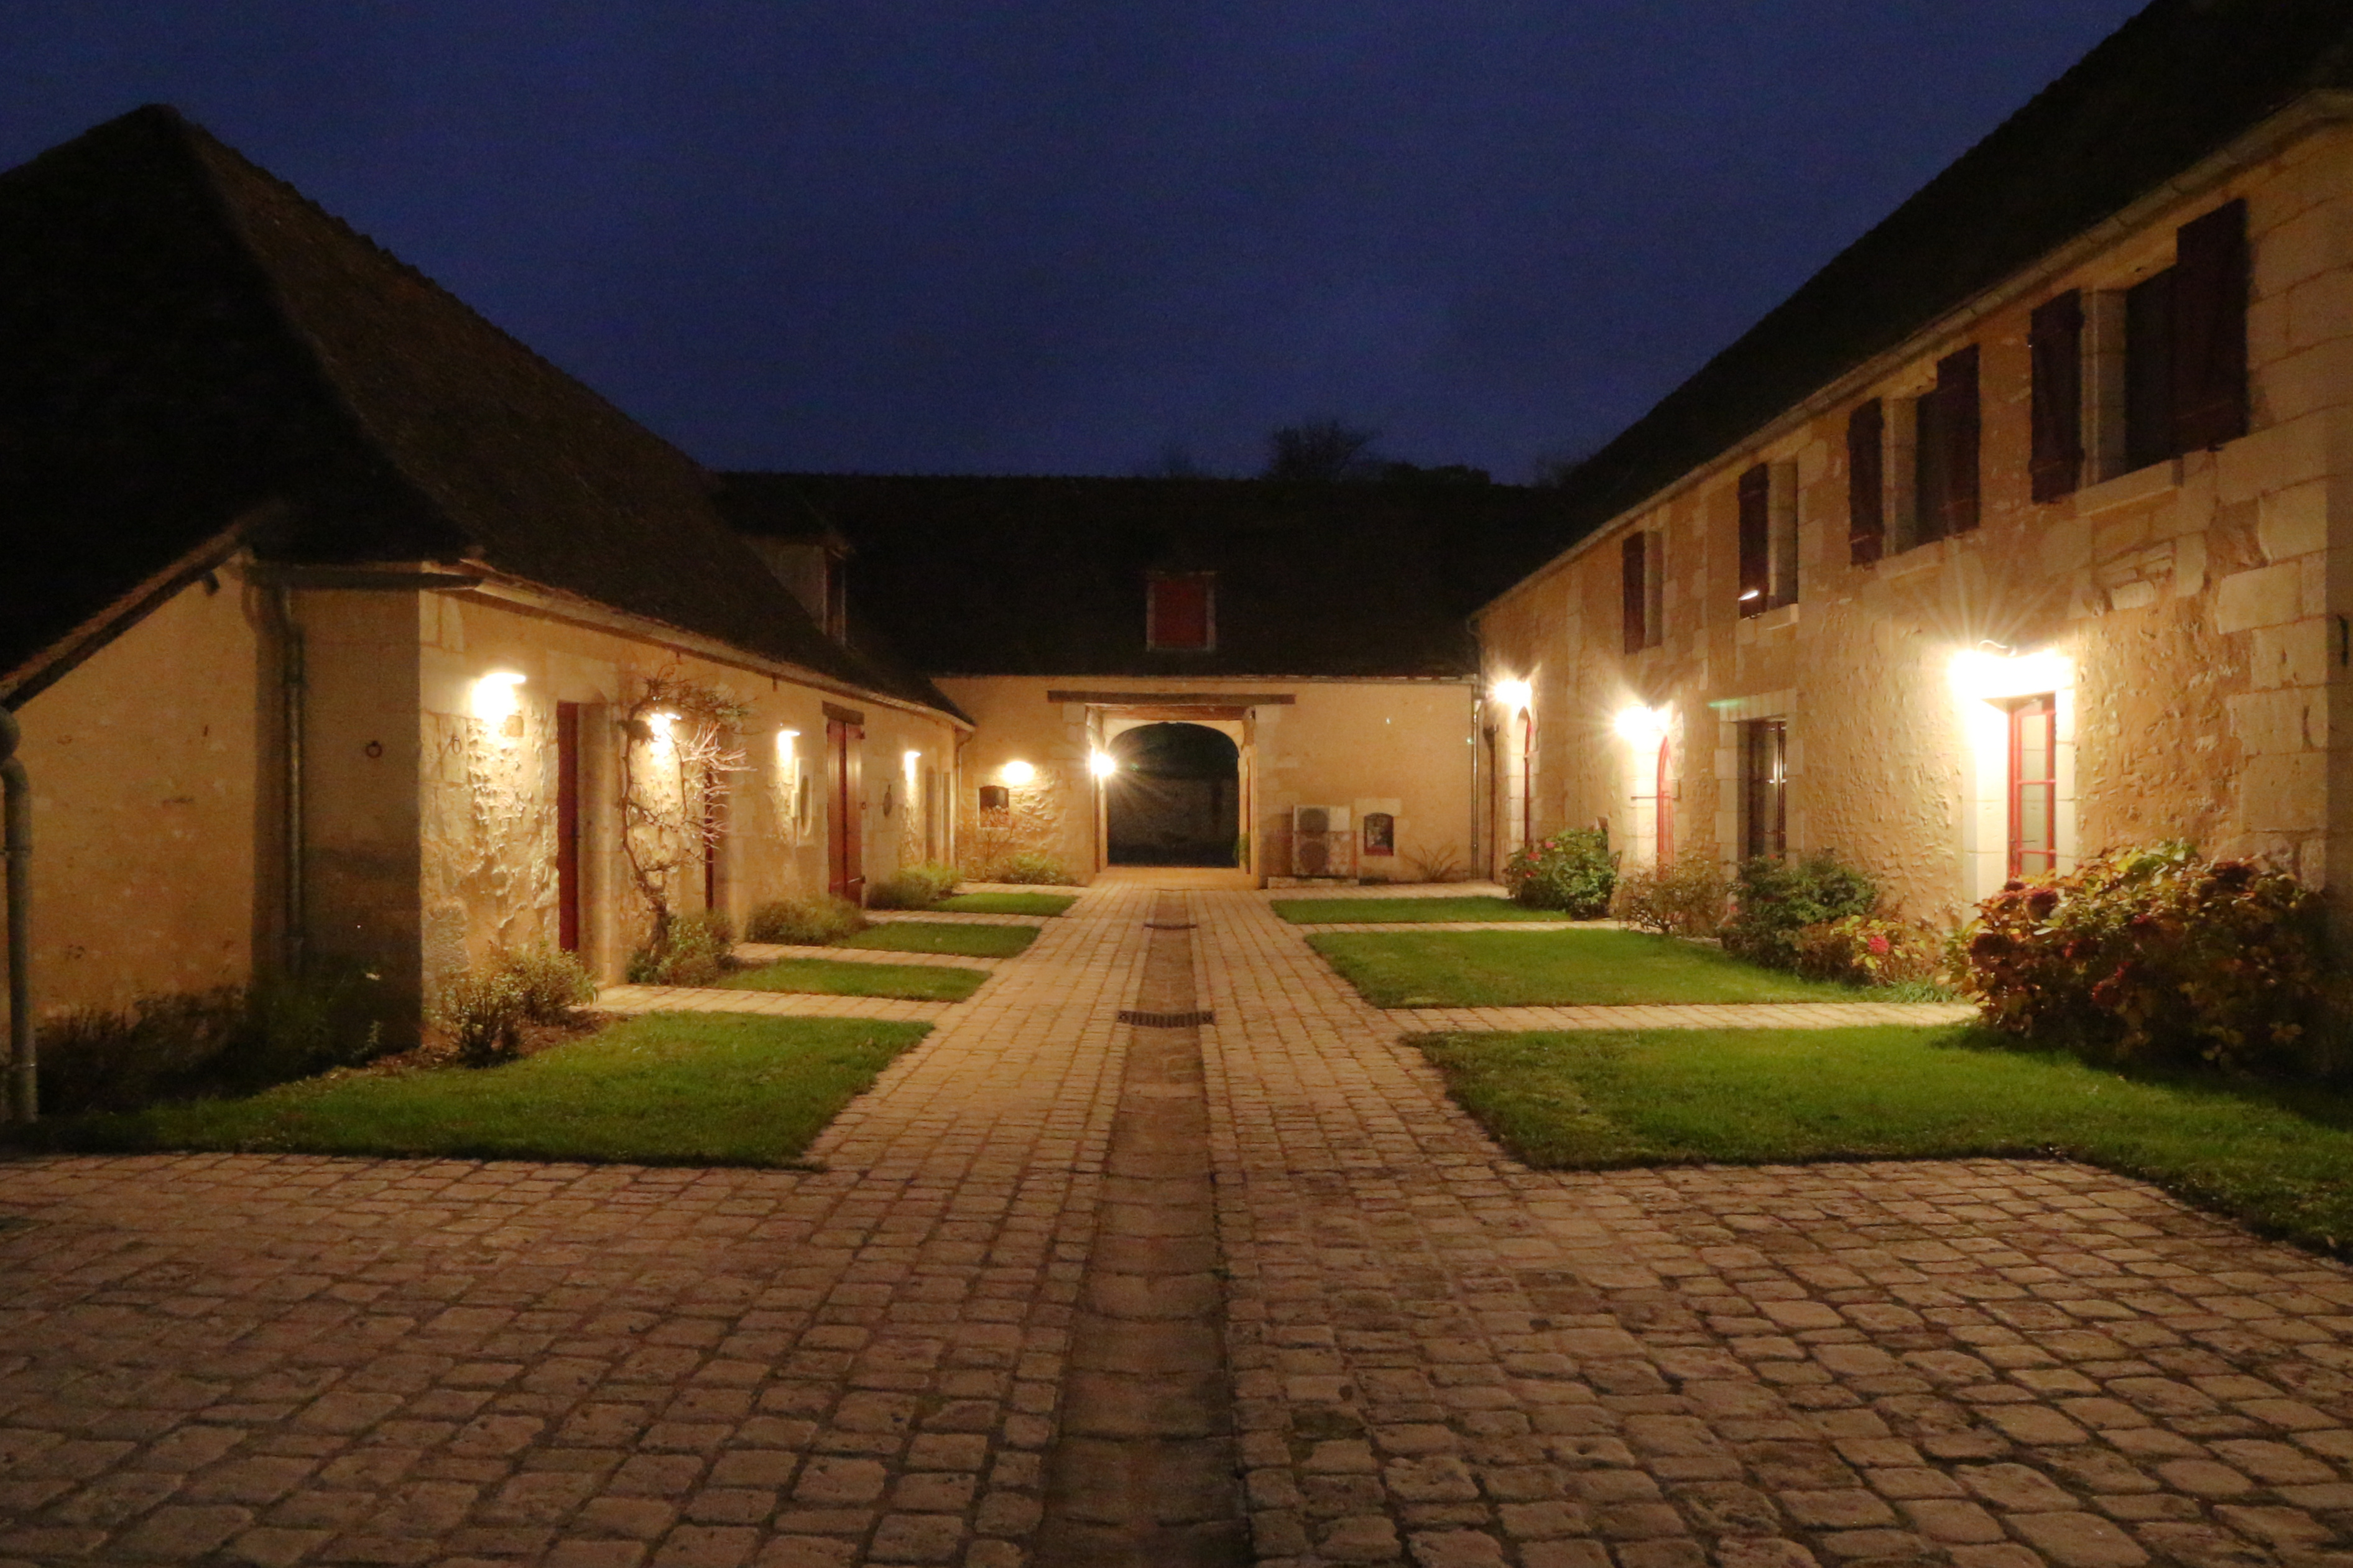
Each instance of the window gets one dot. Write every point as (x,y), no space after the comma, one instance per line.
(1768,537)
(1765,788)
(1642,575)
(1866,483)
(1180,612)
(2160,368)
(1380,833)
(2034,786)
(1945,451)
(996,797)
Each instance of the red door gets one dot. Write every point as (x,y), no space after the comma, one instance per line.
(1666,803)
(568,826)
(2034,787)
(846,868)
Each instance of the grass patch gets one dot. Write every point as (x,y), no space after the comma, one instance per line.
(2278,1157)
(700,1088)
(1006,904)
(1362,911)
(835,977)
(1554,968)
(940,936)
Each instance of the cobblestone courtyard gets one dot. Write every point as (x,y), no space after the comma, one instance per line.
(1428,1352)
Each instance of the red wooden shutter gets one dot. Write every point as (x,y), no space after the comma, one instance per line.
(1956,419)
(1866,483)
(2210,330)
(2055,339)
(1756,540)
(1635,583)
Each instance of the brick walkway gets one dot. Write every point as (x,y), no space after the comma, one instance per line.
(1437,1356)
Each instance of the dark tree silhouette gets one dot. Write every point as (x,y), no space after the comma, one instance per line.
(1323,449)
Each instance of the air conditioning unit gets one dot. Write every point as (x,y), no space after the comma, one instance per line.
(1320,844)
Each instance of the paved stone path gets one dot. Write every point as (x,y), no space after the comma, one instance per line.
(770,952)
(1437,1355)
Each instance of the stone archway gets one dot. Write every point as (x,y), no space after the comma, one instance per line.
(1175,799)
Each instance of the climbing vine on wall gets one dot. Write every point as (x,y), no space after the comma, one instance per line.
(678,761)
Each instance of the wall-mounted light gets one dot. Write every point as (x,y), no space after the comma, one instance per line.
(660,723)
(1516,695)
(1102,764)
(1017,772)
(494,696)
(1643,726)
(1752,594)
(784,739)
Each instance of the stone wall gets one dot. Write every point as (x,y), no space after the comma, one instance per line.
(2181,614)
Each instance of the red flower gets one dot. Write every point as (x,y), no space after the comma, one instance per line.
(1878,944)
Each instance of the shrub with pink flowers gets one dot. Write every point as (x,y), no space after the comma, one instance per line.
(2155,955)
(1869,950)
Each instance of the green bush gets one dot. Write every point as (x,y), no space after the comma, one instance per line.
(917,888)
(552,983)
(2155,955)
(692,953)
(806,919)
(1870,950)
(1029,868)
(1775,899)
(228,1040)
(482,1012)
(1685,899)
(1572,871)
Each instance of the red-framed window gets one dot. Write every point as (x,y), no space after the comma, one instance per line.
(1180,612)
(2034,786)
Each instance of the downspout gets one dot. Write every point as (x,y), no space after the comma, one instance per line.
(24,1092)
(289,634)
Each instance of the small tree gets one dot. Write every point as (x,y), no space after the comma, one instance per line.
(678,756)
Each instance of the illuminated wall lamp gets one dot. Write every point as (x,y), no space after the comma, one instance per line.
(1102,764)
(1516,695)
(1643,726)
(495,697)
(1018,773)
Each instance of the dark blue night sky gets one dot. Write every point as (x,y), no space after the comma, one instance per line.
(1062,238)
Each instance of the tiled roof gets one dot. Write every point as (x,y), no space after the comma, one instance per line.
(2175,84)
(184,338)
(1012,575)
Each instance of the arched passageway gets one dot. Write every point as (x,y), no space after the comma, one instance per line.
(1175,799)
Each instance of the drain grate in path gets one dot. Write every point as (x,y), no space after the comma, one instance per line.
(1192,1020)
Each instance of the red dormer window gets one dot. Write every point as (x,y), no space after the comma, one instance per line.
(1180,612)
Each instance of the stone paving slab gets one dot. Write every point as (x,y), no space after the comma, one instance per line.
(771,952)
(1439,1357)
(1679,1015)
(1445,1357)
(634,999)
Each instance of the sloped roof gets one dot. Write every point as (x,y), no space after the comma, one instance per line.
(184,338)
(2173,86)
(1045,575)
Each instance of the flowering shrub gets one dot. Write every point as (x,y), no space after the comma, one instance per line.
(1684,900)
(1572,871)
(1868,950)
(2153,953)
(1776,900)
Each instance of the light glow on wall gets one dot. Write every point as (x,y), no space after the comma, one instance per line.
(1018,773)
(495,699)
(1516,695)
(1642,726)
(1102,764)
(911,758)
(1981,676)
(660,723)
(784,739)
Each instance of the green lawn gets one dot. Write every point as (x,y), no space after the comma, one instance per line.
(836,977)
(1552,968)
(1007,903)
(2278,1157)
(665,1089)
(940,936)
(1352,912)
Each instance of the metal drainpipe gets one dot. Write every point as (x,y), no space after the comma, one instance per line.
(18,788)
(290,683)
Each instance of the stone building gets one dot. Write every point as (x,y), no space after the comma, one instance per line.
(2013,534)
(331,614)
(1188,671)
